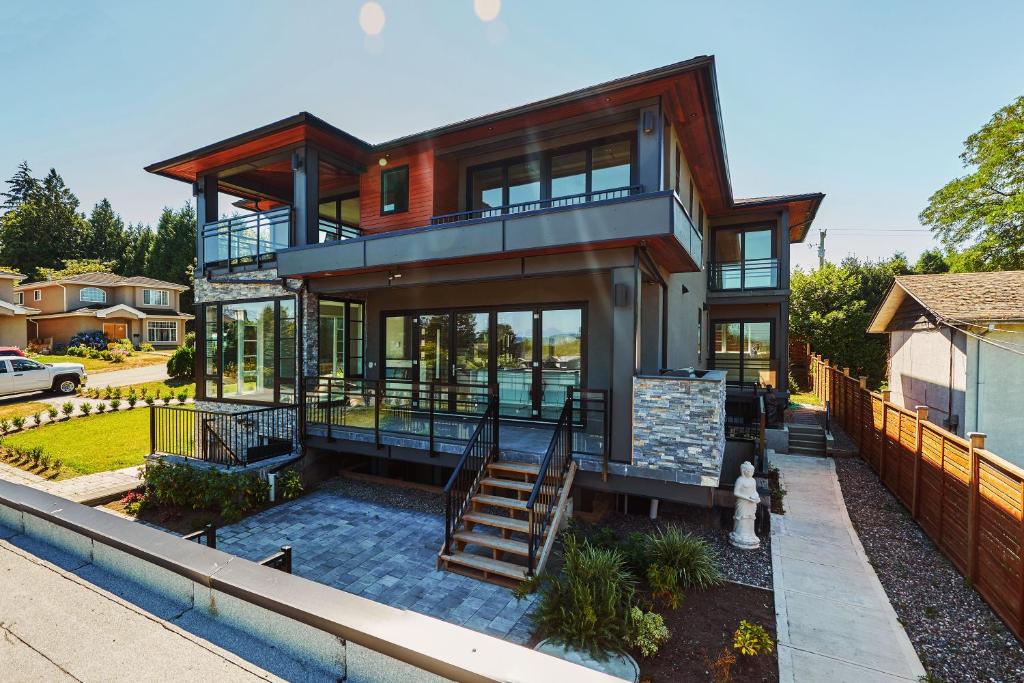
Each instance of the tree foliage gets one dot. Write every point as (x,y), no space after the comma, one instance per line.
(77,267)
(831,307)
(983,212)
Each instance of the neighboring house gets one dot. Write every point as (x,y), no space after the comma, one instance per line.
(13,315)
(586,243)
(137,308)
(956,345)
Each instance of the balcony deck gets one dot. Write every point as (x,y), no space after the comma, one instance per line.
(654,218)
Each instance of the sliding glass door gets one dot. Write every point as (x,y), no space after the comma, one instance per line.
(532,355)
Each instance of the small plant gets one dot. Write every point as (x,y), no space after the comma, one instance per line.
(45,461)
(182,396)
(778,494)
(68,409)
(752,639)
(18,422)
(53,412)
(115,404)
(133,502)
(166,399)
(107,392)
(36,455)
(38,417)
(5,425)
(146,347)
(525,587)
(692,559)
(58,465)
(116,393)
(721,666)
(132,399)
(85,407)
(101,407)
(649,632)
(149,400)
(290,482)
(144,393)
(664,583)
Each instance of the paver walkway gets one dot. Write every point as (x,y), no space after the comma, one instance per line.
(85,489)
(835,622)
(384,553)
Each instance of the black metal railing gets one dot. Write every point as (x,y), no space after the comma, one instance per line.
(281,560)
(590,415)
(332,231)
(543,501)
(481,450)
(252,239)
(207,535)
(750,274)
(223,438)
(435,411)
(537,205)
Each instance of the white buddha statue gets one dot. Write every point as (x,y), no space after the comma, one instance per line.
(747,499)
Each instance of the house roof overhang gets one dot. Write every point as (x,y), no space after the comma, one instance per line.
(802,210)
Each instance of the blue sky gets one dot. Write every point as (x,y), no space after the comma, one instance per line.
(868,101)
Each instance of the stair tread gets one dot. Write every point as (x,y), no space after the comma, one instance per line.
(509,545)
(518,467)
(520,525)
(507,484)
(486,564)
(505,502)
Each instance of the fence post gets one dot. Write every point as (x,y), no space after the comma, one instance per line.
(885,439)
(862,382)
(977,440)
(922,416)
(152,429)
(844,383)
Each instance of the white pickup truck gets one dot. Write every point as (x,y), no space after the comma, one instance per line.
(18,375)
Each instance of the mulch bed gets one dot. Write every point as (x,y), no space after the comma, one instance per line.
(702,628)
(955,633)
(177,520)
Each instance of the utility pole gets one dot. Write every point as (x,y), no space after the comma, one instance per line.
(821,248)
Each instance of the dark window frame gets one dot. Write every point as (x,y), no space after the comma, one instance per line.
(772,349)
(347,341)
(400,207)
(337,200)
(744,228)
(545,157)
(202,376)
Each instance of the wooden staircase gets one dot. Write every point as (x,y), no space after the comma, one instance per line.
(492,542)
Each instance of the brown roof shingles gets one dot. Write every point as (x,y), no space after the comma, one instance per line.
(969,297)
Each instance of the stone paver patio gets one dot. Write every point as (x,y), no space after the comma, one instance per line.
(384,553)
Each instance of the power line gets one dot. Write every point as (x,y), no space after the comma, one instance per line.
(1019,352)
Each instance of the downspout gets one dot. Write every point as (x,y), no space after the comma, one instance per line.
(949,407)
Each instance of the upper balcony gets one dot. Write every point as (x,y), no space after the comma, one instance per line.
(605,219)
(741,276)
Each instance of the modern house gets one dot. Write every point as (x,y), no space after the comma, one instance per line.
(956,345)
(532,305)
(13,315)
(141,309)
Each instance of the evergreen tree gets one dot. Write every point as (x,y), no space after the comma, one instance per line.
(174,248)
(134,258)
(19,187)
(106,240)
(931,261)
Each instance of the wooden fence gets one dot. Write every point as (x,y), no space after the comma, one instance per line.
(968,500)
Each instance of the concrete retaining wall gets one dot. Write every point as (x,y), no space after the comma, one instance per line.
(354,638)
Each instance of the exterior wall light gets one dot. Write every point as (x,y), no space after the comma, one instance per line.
(383,161)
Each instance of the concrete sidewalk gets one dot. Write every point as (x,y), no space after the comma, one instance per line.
(122,378)
(88,489)
(835,622)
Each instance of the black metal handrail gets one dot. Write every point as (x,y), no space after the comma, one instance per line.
(246,240)
(537,205)
(543,501)
(223,438)
(481,450)
(332,231)
(281,560)
(750,274)
(207,535)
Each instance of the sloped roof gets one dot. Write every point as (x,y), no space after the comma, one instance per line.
(105,280)
(10,275)
(957,297)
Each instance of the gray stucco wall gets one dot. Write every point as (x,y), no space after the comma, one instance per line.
(927,369)
(995,392)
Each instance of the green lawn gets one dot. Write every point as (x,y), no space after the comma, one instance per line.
(167,386)
(96,443)
(97,365)
(806,398)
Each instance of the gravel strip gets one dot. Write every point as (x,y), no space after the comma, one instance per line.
(390,495)
(752,567)
(956,635)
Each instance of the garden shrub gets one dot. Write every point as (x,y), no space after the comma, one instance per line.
(146,347)
(93,340)
(133,398)
(752,639)
(85,407)
(664,584)
(5,425)
(53,412)
(290,484)
(693,561)
(588,604)
(648,633)
(182,364)
(115,403)
(18,422)
(67,408)
(182,396)
(231,494)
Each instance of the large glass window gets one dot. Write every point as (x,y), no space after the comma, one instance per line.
(744,350)
(250,351)
(744,258)
(341,338)
(161,331)
(561,357)
(394,190)
(611,166)
(569,174)
(92,295)
(156,297)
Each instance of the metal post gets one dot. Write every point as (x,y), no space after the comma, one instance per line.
(211,536)
(152,429)
(431,389)
(286,560)
(376,413)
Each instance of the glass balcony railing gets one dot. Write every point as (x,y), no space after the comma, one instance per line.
(740,275)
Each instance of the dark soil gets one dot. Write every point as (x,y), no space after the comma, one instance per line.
(176,520)
(702,630)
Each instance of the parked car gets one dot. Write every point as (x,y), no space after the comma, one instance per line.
(11,351)
(18,375)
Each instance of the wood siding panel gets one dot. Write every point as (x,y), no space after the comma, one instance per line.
(421,194)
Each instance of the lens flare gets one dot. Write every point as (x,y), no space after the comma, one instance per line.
(487,10)
(371,18)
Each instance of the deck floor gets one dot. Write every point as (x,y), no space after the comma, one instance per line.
(375,543)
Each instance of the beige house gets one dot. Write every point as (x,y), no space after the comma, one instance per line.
(13,315)
(141,309)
